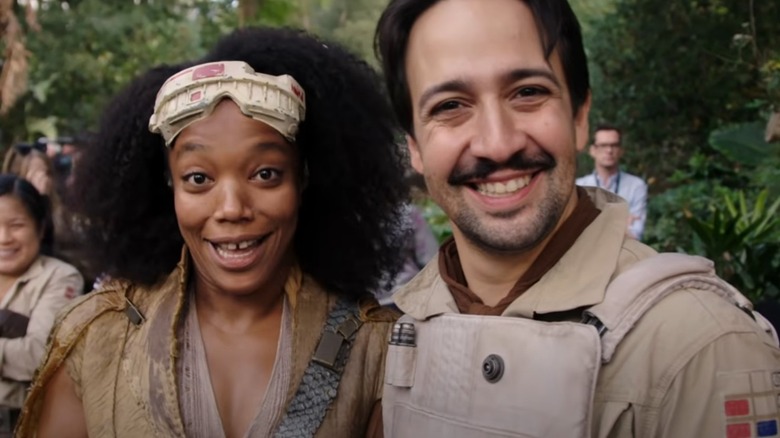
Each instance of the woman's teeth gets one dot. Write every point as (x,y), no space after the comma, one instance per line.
(235,249)
(504,188)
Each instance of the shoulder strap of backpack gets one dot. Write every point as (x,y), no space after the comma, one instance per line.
(641,286)
(320,382)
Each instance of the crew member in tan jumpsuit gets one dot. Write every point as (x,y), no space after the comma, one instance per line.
(494,97)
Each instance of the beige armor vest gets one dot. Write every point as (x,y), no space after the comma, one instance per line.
(469,376)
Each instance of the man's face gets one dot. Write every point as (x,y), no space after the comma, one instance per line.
(494,133)
(606,150)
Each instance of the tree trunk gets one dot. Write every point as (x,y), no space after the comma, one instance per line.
(247,11)
(773,128)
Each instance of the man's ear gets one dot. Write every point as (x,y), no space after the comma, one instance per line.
(414,154)
(581,125)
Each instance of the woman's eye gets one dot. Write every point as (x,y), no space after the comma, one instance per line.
(196,178)
(268,174)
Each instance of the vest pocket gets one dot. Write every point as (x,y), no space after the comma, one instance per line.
(400,366)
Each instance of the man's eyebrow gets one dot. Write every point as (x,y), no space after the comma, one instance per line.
(448,86)
(460,85)
(525,73)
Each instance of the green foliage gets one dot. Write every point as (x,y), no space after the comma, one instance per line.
(350,22)
(743,239)
(730,219)
(672,72)
(88,49)
(437,219)
(744,144)
(667,213)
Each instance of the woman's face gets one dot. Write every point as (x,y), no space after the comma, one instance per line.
(20,240)
(236,191)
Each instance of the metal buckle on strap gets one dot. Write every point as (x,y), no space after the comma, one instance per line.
(329,348)
(133,313)
(591,319)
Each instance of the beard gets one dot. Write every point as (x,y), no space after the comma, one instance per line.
(514,236)
(514,231)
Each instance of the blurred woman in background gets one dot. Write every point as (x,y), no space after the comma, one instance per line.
(33,288)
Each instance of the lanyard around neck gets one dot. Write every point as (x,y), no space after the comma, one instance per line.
(617,181)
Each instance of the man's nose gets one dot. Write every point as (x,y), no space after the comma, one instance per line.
(498,135)
(233,203)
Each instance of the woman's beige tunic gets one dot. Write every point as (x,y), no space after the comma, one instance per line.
(125,373)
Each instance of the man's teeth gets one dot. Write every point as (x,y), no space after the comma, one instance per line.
(504,188)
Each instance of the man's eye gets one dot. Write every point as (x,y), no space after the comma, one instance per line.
(446,106)
(531,91)
(196,178)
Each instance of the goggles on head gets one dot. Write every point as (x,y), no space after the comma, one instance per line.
(192,94)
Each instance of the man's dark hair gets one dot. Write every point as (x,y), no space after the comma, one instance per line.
(558,28)
(609,127)
(349,208)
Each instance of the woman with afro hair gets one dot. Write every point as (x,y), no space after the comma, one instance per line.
(243,208)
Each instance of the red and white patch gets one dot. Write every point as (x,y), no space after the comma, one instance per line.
(751,403)
(70,292)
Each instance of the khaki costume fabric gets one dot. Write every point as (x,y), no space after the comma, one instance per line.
(40,293)
(693,366)
(125,374)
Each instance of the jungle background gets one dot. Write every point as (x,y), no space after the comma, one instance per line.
(693,83)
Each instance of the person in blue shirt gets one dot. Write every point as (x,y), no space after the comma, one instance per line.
(606,150)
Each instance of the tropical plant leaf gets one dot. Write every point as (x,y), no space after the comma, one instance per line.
(743,143)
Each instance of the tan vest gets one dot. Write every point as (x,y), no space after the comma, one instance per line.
(544,374)
(124,373)
(677,373)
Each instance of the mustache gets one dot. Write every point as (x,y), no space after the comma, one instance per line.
(484,167)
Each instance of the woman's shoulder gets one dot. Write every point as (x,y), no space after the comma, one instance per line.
(372,312)
(114,299)
(54,264)
(89,309)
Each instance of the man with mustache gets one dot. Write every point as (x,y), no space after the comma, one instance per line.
(540,318)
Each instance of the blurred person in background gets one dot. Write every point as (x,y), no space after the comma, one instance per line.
(12,161)
(49,172)
(37,168)
(32,164)
(33,288)
(606,151)
(421,244)
(244,208)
